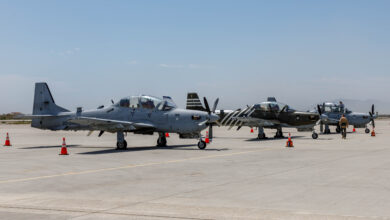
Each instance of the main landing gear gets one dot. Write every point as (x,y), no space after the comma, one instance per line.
(327,129)
(162,140)
(367,130)
(338,129)
(314,135)
(261,134)
(279,133)
(121,143)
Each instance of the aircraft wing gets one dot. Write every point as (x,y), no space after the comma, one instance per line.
(110,124)
(256,121)
(33,116)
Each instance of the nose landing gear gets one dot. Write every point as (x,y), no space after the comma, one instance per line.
(201,144)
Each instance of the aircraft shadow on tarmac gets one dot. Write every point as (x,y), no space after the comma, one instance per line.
(43,147)
(273,139)
(135,149)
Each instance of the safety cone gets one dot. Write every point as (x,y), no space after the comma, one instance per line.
(373,133)
(289,141)
(353,130)
(7,141)
(251,130)
(207,140)
(167,135)
(64,150)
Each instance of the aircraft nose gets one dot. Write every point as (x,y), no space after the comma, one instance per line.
(214,118)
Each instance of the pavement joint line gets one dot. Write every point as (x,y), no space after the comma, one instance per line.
(130,166)
(97,212)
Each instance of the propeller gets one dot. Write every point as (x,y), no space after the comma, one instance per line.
(206,103)
(319,110)
(372,115)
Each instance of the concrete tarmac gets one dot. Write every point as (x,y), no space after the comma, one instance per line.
(236,177)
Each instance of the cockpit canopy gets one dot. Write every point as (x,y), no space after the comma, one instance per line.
(331,107)
(273,106)
(146,102)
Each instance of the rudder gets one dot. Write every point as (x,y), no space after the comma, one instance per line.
(193,102)
(43,101)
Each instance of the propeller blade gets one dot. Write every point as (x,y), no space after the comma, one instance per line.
(373,123)
(210,131)
(89,133)
(215,105)
(319,109)
(101,133)
(373,109)
(206,105)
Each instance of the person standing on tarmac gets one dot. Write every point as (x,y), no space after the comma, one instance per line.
(343,125)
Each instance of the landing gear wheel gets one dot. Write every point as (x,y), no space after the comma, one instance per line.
(367,131)
(261,136)
(338,130)
(121,145)
(327,131)
(279,134)
(201,145)
(162,142)
(314,135)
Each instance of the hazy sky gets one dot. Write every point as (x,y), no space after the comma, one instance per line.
(90,52)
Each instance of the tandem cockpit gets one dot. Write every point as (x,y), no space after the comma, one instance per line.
(147,102)
(330,107)
(273,107)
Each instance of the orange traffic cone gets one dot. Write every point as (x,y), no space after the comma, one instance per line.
(373,133)
(251,130)
(354,130)
(289,141)
(207,140)
(64,150)
(7,141)
(167,135)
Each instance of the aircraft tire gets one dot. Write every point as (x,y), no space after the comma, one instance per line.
(201,145)
(162,142)
(121,145)
(367,130)
(314,135)
(261,136)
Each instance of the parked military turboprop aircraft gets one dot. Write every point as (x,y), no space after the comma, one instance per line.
(139,114)
(332,113)
(269,114)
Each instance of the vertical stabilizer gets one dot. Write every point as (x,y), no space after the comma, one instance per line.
(193,102)
(43,101)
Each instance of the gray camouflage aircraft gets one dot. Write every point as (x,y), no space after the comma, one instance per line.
(332,112)
(269,114)
(139,114)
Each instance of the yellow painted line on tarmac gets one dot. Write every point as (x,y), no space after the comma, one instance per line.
(128,167)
